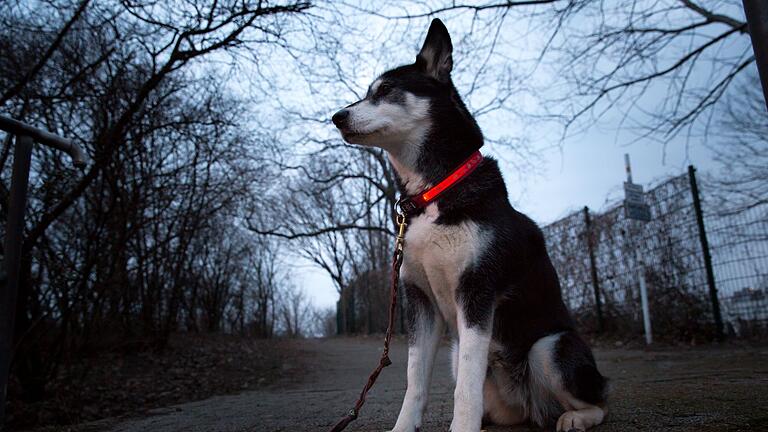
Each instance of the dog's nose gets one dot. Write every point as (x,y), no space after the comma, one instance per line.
(339,118)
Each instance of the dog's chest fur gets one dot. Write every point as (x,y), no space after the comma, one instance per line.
(436,255)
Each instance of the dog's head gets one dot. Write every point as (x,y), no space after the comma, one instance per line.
(403,104)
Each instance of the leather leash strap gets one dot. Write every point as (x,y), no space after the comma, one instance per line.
(384,361)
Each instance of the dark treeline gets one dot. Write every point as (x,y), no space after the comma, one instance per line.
(147,241)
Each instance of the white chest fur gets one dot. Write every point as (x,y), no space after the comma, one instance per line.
(437,255)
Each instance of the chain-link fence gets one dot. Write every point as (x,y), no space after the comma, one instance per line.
(705,272)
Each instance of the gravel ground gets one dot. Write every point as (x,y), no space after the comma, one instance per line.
(700,389)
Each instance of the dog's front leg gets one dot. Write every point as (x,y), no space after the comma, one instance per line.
(425,329)
(474,340)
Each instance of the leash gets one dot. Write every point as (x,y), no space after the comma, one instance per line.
(384,361)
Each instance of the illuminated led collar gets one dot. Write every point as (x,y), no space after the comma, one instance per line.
(411,204)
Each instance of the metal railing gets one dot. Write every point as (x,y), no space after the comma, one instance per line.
(24,135)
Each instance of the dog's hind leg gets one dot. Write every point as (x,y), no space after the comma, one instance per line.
(562,366)
(496,410)
(425,329)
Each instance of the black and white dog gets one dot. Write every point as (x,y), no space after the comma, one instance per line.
(473,263)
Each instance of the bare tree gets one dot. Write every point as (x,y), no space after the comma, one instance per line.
(30,74)
(266,278)
(134,247)
(664,65)
(741,149)
(325,322)
(338,214)
(296,312)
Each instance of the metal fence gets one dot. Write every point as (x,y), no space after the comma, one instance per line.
(706,273)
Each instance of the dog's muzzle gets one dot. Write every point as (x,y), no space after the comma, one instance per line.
(340,118)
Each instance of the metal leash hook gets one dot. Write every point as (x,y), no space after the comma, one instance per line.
(384,361)
(400,239)
(400,220)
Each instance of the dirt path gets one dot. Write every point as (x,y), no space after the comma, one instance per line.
(723,389)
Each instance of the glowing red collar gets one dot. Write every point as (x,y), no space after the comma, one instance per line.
(409,205)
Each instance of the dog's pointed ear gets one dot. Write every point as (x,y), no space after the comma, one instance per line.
(435,58)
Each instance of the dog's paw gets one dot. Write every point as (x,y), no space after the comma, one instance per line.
(416,429)
(571,421)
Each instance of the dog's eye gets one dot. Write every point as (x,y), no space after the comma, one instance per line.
(383,90)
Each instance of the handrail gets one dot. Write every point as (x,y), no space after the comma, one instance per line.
(26,135)
(15,127)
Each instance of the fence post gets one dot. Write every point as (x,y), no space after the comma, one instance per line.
(645,307)
(705,250)
(9,281)
(593,271)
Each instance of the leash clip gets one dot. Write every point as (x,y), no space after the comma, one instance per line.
(398,207)
(405,206)
(400,239)
(400,219)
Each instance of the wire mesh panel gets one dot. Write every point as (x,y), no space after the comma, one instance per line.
(667,252)
(567,245)
(739,247)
